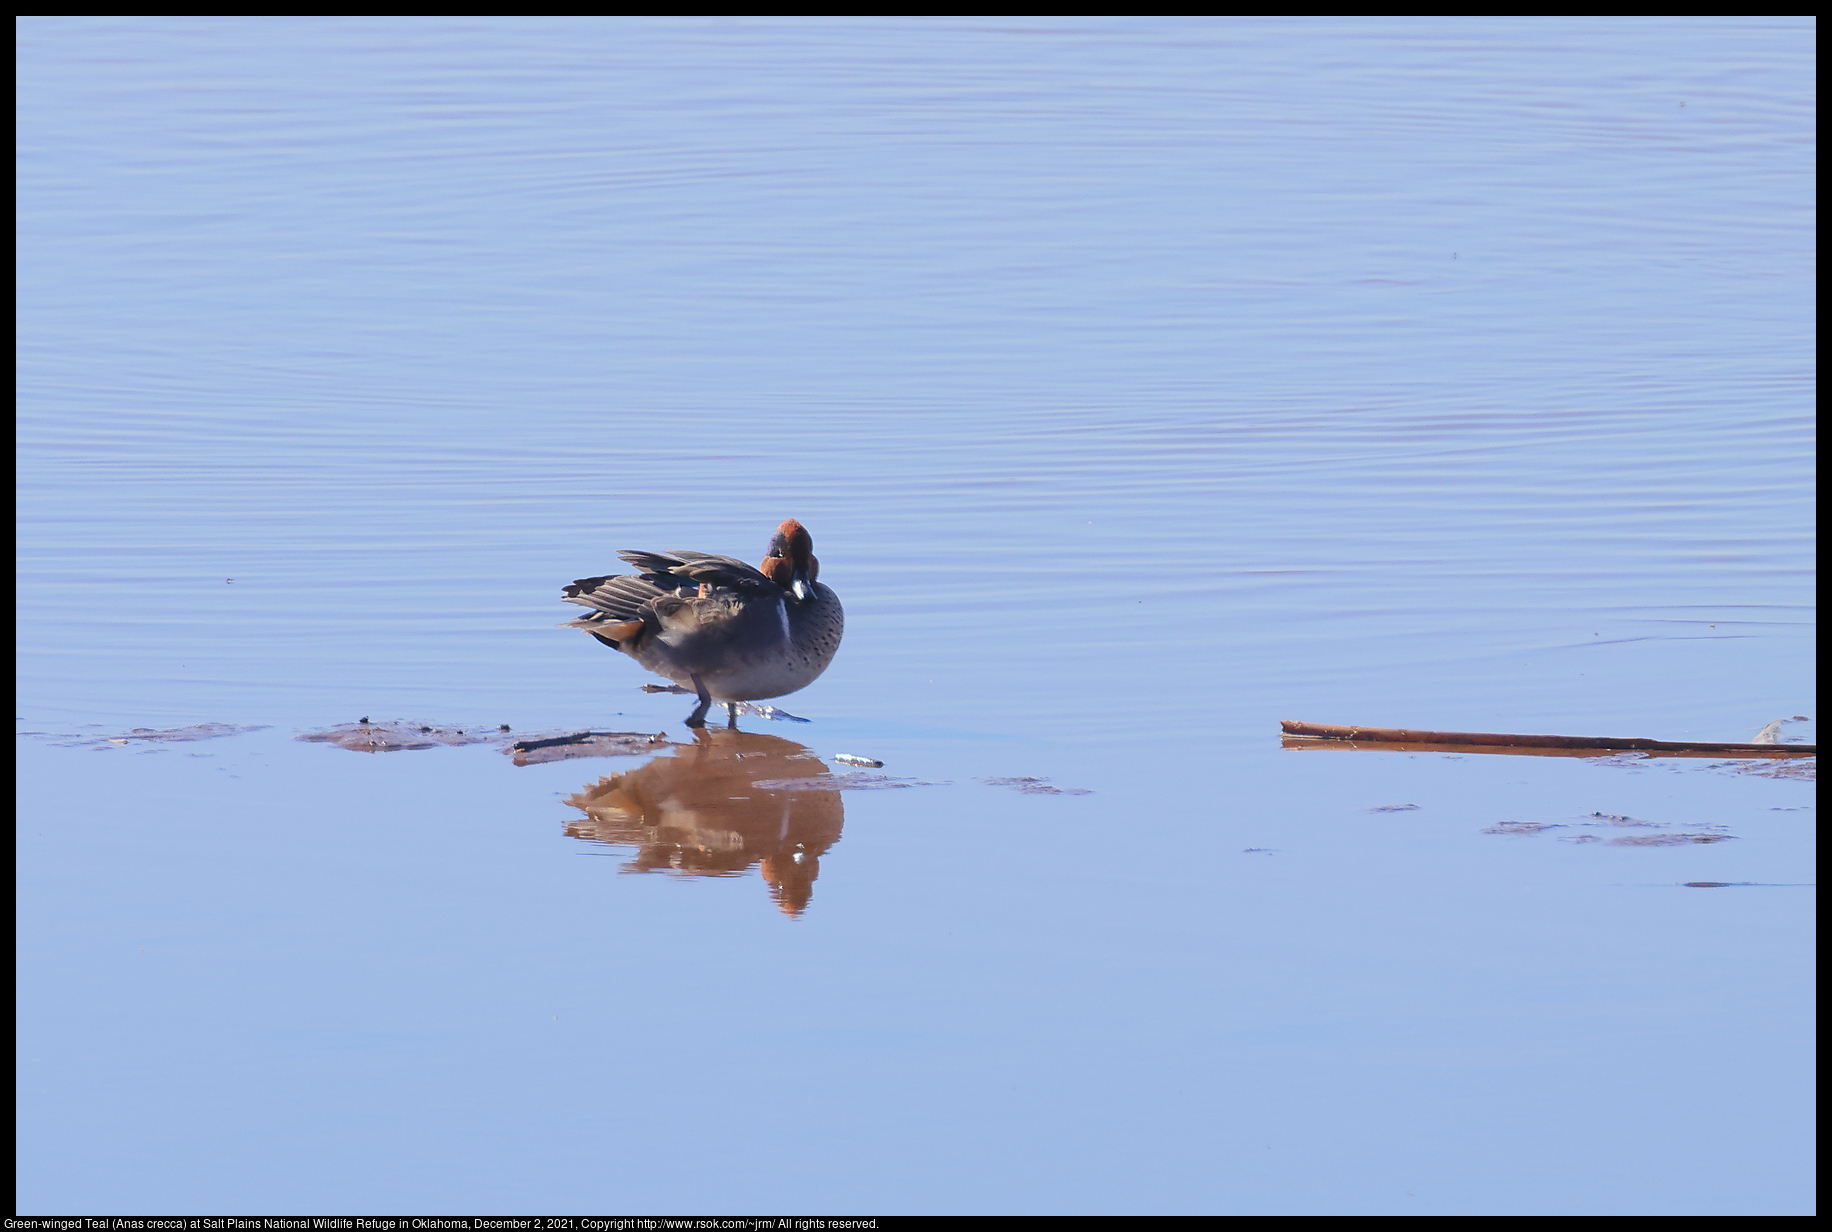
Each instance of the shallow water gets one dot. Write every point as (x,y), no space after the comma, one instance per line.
(1142,383)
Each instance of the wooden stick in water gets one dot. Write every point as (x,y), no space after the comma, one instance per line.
(1407,735)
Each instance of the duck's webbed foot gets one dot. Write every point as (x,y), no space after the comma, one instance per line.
(698,717)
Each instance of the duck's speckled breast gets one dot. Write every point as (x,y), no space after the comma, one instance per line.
(795,662)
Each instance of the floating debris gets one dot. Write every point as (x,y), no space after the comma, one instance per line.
(536,752)
(1667,840)
(1393,808)
(1770,734)
(1522,827)
(587,737)
(1297,732)
(402,735)
(858,780)
(1805,770)
(1036,787)
(1621,819)
(1621,759)
(150,735)
(396,737)
(853,759)
(1770,885)
(1713,834)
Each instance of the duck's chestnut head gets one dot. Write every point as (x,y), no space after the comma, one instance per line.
(790,562)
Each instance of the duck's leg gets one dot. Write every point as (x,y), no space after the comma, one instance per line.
(731,715)
(698,717)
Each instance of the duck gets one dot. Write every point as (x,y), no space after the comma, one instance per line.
(714,625)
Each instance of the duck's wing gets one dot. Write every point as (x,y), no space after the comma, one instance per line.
(622,596)
(701,567)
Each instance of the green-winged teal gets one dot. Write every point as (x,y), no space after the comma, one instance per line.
(715,625)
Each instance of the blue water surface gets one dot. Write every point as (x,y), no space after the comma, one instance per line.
(1143,382)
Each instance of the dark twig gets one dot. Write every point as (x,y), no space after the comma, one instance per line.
(1300,734)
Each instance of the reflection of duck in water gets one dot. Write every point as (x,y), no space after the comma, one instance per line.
(700,813)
